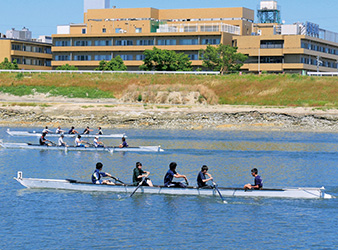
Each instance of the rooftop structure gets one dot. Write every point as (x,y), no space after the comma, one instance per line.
(269,12)
(96,4)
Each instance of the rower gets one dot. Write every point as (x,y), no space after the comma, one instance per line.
(168,178)
(124,144)
(78,142)
(258,181)
(138,174)
(61,143)
(87,131)
(46,130)
(97,143)
(72,131)
(96,176)
(59,130)
(100,131)
(202,179)
(43,141)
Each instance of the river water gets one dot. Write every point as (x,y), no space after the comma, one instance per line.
(45,219)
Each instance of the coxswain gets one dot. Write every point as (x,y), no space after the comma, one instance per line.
(87,131)
(258,180)
(96,176)
(124,144)
(168,178)
(72,131)
(46,130)
(43,141)
(61,143)
(202,179)
(78,142)
(97,143)
(139,174)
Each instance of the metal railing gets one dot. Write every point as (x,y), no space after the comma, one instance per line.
(114,72)
(322,73)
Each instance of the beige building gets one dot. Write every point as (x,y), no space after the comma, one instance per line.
(29,54)
(107,33)
(271,47)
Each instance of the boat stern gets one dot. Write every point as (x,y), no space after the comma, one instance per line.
(325,195)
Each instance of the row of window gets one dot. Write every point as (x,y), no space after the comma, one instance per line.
(146,42)
(319,48)
(313,61)
(28,48)
(108,57)
(272,44)
(35,62)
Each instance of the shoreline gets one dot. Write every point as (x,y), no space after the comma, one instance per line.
(40,111)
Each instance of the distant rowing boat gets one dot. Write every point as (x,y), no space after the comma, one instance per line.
(73,148)
(73,185)
(34,133)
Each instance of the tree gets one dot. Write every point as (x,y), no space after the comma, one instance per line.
(165,60)
(222,58)
(67,67)
(115,64)
(6,64)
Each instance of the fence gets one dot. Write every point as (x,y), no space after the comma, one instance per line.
(322,73)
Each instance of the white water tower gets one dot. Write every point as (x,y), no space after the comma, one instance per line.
(96,4)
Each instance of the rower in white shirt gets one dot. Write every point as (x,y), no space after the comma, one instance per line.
(46,130)
(97,143)
(61,143)
(78,142)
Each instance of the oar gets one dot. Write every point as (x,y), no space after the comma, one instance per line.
(117,179)
(139,185)
(220,195)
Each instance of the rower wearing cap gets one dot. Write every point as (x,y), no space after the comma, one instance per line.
(96,176)
(258,180)
(139,174)
(97,143)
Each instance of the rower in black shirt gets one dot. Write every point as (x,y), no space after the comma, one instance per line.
(202,179)
(43,141)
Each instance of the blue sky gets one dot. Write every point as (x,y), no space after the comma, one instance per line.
(42,16)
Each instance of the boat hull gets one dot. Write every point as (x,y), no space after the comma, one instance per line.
(297,193)
(72,148)
(34,133)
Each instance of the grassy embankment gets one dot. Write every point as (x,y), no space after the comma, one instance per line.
(264,90)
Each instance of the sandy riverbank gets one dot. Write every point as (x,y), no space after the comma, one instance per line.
(39,110)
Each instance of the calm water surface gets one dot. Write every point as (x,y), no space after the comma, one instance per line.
(44,219)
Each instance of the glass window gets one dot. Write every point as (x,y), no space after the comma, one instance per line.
(123,42)
(138,30)
(82,43)
(211,41)
(140,57)
(126,57)
(104,30)
(166,42)
(273,44)
(145,42)
(193,56)
(62,43)
(188,41)
(102,43)
(102,57)
(16,47)
(62,58)
(82,58)
(84,31)
(118,30)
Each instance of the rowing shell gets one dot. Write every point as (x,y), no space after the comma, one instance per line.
(73,185)
(34,133)
(72,148)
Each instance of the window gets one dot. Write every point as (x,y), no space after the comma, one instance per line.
(273,44)
(18,61)
(166,42)
(62,58)
(48,63)
(62,43)
(271,59)
(138,30)
(48,50)
(104,30)
(140,57)
(211,41)
(123,42)
(82,58)
(82,43)
(193,56)
(16,47)
(84,31)
(190,29)
(126,57)
(118,30)
(102,57)
(102,43)
(209,28)
(188,42)
(145,42)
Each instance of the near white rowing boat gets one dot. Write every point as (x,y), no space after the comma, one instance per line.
(110,149)
(34,133)
(73,185)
